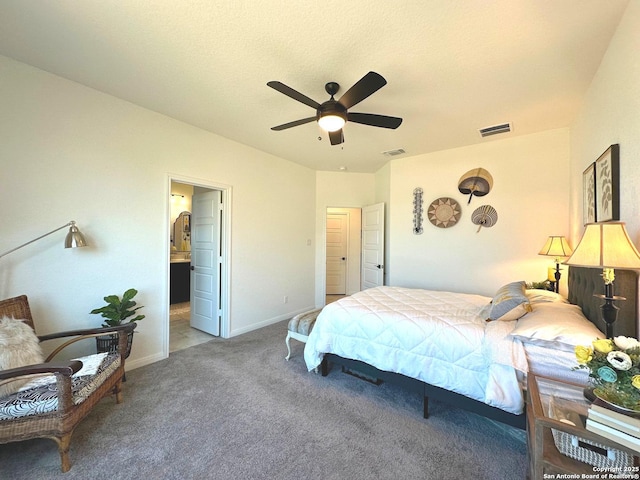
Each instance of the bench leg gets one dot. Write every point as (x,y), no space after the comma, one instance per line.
(288,347)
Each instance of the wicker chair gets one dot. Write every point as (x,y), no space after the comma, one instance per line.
(75,396)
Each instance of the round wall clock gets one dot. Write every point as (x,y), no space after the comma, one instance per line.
(444,212)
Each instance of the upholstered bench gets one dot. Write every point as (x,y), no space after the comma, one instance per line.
(300,327)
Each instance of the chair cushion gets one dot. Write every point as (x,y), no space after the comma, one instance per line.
(303,322)
(41,395)
(19,346)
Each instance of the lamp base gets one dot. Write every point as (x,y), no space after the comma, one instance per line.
(557,276)
(609,315)
(608,309)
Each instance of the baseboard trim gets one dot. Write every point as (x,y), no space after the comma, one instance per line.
(141,362)
(269,321)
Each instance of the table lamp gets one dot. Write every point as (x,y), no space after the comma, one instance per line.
(607,246)
(557,247)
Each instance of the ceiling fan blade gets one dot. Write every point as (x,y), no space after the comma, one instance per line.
(374,120)
(295,123)
(290,92)
(370,83)
(336,137)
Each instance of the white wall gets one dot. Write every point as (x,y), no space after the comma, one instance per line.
(70,152)
(611,114)
(530,179)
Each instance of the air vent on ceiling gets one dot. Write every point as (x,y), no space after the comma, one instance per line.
(393,153)
(495,129)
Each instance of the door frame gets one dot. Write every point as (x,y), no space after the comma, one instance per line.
(225,249)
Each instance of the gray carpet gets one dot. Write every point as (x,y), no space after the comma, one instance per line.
(235,409)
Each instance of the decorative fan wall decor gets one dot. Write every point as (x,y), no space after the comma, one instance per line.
(444,212)
(484,216)
(476,182)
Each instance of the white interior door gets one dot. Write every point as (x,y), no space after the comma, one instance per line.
(337,234)
(206,262)
(373,246)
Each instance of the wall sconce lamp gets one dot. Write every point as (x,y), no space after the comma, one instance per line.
(73,239)
(557,247)
(606,246)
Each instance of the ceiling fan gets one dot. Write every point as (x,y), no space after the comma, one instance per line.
(333,114)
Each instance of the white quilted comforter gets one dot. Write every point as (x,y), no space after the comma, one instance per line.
(438,337)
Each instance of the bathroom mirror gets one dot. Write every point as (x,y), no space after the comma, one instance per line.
(182,232)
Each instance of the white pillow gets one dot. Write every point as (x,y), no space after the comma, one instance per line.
(19,346)
(556,325)
(536,295)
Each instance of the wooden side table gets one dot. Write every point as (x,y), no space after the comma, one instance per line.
(544,456)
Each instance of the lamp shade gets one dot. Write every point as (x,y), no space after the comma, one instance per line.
(74,237)
(605,245)
(556,246)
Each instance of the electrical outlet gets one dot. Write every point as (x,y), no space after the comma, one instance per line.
(285,299)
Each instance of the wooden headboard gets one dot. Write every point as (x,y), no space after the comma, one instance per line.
(584,283)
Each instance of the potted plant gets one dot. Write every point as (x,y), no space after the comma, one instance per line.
(116,312)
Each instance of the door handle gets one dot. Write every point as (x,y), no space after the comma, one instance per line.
(192,267)
(379,266)
(344,258)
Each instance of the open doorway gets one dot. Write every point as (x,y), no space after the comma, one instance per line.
(198,262)
(343,252)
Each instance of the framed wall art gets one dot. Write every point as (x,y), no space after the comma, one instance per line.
(608,185)
(589,194)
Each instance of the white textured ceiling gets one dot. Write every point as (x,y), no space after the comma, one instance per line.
(452,66)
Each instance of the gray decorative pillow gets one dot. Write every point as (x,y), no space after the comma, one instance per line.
(19,346)
(510,302)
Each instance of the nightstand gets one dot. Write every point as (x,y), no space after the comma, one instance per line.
(544,456)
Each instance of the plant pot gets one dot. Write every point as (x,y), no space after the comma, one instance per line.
(109,343)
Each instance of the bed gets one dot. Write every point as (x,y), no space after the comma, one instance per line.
(441,345)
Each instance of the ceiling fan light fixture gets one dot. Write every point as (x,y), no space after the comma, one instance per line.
(332,114)
(331,122)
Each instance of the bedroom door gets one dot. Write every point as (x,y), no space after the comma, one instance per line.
(336,267)
(373,246)
(206,262)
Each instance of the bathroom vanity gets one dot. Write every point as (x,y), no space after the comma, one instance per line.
(180,280)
